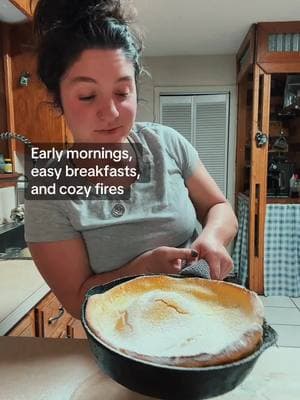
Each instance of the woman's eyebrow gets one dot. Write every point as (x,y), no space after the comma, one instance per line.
(82,79)
(77,79)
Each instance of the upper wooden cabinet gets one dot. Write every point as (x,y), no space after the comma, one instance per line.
(274,46)
(29,108)
(269,54)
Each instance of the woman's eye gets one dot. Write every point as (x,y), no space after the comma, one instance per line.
(124,95)
(87,98)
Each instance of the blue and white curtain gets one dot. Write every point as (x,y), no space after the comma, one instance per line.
(282,248)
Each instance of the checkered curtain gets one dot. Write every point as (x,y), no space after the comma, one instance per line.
(240,250)
(282,248)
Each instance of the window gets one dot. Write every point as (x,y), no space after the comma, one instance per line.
(204,121)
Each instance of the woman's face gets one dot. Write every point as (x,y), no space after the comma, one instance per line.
(98,95)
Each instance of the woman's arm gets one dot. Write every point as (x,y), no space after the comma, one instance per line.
(65,267)
(218,220)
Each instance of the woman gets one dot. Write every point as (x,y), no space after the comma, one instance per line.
(89,60)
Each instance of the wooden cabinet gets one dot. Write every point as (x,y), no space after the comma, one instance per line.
(51,317)
(269,52)
(49,320)
(75,329)
(29,108)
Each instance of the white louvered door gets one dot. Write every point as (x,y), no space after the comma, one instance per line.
(204,121)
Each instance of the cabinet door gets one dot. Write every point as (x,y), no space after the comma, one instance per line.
(75,329)
(30,111)
(258,178)
(52,318)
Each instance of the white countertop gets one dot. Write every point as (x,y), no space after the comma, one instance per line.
(64,369)
(21,288)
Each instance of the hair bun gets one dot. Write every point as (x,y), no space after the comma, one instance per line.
(51,14)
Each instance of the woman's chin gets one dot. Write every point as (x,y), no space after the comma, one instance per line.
(97,137)
(108,137)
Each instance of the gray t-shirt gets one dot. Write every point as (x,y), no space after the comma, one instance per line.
(158,213)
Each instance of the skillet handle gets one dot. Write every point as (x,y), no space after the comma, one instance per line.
(270,336)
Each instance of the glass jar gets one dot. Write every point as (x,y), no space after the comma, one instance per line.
(294,186)
(297,187)
(2,163)
(7,167)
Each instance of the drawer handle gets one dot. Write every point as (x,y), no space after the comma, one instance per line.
(52,320)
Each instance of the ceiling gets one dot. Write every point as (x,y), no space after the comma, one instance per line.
(194,27)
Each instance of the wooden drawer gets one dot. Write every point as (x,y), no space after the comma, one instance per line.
(26,327)
(52,318)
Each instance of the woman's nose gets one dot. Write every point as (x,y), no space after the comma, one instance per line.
(107,110)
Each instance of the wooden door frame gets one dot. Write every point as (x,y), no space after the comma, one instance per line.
(240,162)
(258,182)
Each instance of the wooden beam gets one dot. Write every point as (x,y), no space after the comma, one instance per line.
(247,48)
(241,135)
(258,184)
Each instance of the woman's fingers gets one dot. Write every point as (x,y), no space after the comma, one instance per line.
(227,268)
(168,259)
(220,269)
(172,253)
(215,269)
(172,259)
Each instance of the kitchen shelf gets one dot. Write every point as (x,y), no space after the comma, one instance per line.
(7,180)
(283,200)
(276,200)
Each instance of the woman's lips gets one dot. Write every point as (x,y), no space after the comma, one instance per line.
(107,131)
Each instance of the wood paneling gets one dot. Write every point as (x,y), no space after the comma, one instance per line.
(33,113)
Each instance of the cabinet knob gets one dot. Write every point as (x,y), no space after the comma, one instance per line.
(24,79)
(261,139)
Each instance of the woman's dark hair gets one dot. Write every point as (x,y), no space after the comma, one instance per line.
(65,28)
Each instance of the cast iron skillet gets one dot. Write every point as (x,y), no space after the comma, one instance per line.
(168,382)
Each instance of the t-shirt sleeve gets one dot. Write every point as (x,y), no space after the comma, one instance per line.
(185,155)
(46,222)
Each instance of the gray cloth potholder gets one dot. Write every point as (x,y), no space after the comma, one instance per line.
(198,268)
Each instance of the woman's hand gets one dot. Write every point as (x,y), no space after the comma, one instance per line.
(216,255)
(167,259)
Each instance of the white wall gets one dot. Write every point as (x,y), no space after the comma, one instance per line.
(192,71)
(187,73)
